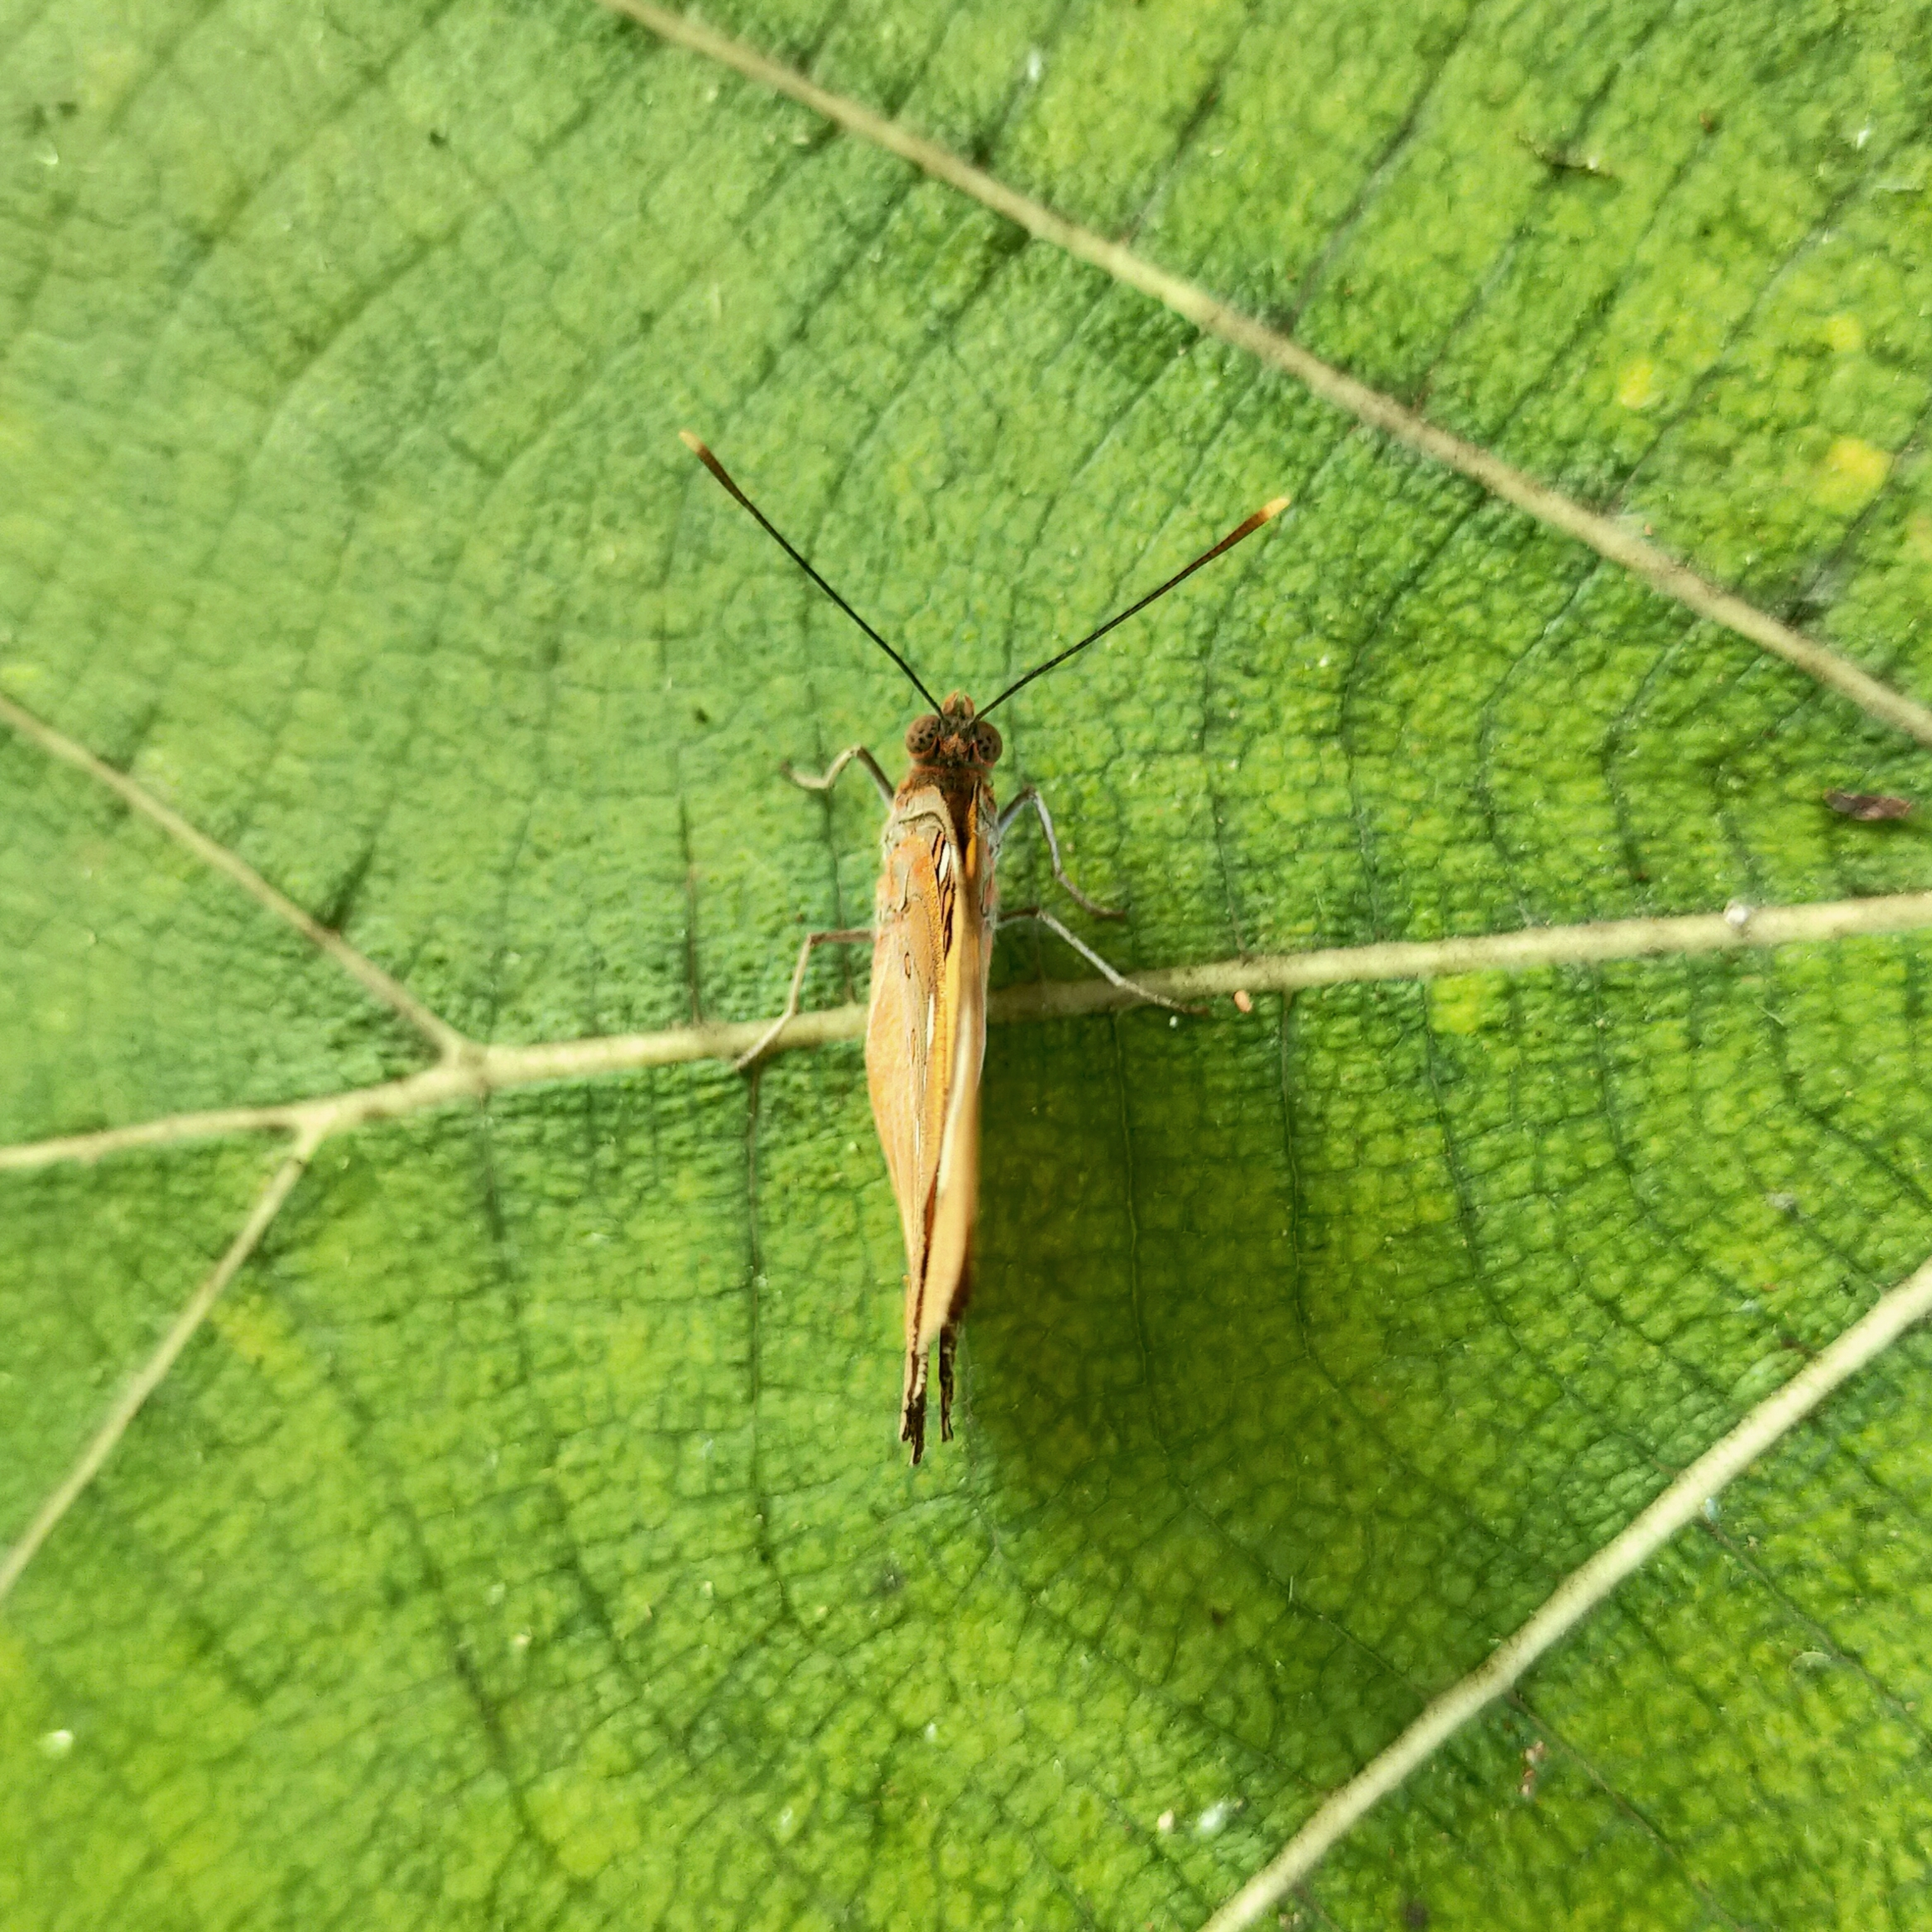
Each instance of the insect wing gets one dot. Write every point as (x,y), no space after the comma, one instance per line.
(908,1036)
(925,1041)
(949,1255)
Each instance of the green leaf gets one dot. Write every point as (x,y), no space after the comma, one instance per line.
(523,1540)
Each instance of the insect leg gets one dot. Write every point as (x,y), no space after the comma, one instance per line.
(948,1339)
(1040,917)
(838,765)
(1031,800)
(849,937)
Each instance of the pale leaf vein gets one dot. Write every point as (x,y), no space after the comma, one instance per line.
(1607,535)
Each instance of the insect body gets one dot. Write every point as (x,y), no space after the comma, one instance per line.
(934,916)
(933,921)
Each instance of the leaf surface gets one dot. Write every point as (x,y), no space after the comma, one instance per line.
(523,1541)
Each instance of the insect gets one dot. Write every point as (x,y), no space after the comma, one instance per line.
(934,916)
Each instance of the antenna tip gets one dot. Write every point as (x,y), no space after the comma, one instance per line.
(692,443)
(1270,511)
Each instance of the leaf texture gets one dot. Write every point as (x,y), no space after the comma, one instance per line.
(523,1541)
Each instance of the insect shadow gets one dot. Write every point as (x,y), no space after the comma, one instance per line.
(1207,1453)
(1138,1302)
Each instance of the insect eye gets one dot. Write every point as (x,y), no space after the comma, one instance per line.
(921,735)
(987,742)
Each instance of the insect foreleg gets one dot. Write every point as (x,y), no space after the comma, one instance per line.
(850,936)
(1040,917)
(1029,800)
(838,765)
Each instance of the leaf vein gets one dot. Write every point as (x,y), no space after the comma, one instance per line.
(1582,1592)
(1607,534)
(486,1070)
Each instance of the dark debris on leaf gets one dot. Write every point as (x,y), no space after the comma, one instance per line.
(1868,807)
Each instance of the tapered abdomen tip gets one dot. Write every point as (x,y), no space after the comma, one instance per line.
(692,443)
(1269,511)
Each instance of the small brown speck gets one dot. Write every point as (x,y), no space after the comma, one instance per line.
(1868,808)
(1415,1915)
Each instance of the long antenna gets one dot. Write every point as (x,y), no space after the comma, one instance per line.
(1266,514)
(718,470)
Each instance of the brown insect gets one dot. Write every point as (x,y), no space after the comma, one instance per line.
(935,917)
(1868,806)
